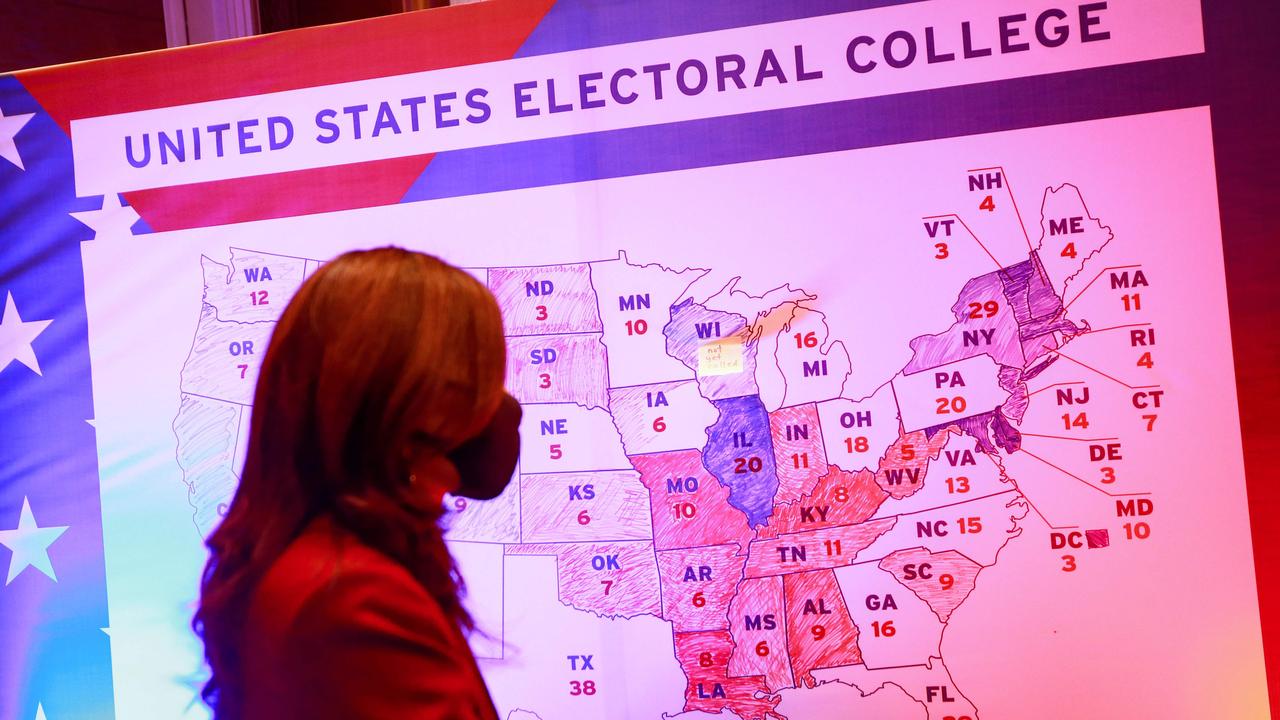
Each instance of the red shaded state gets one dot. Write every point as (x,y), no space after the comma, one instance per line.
(799,456)
(757,621)
(840,498)
(697,584)
(615,579)
(820,631)
(943,580)
(677,480)
(814,550)
(380,47)
(704,657)
(902,469)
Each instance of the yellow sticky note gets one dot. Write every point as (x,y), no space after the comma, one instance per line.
(722,357)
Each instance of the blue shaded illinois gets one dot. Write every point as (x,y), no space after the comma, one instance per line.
(717,346)
(739,453)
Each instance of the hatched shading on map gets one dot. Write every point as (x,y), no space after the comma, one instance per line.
(782,532)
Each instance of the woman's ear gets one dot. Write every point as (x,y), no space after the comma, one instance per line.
(431,474)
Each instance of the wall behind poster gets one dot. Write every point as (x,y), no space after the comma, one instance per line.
(131,304)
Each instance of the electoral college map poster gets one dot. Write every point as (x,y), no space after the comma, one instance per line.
(814,432)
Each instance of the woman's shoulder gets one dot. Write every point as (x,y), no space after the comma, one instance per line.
(339,630)
(327,573)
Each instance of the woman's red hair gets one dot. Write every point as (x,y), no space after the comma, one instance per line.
(379,351)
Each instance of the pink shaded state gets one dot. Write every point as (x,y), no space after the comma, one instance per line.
(578,374)
(1016,406)
(570,304)
(996,336)
(902,470)
(1038,347)
(796,481)
(943,601)
(552,507)
(814,601)
(704,657)
(764,557)
(715,522)
(839,498)
(682,573)
(633,585)
(760,599)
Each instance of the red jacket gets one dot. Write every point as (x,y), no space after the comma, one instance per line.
(338,630)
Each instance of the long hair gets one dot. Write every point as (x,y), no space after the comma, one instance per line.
(378,351)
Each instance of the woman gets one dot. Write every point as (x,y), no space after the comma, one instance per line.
(329,592)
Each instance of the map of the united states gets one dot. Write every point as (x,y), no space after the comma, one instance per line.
(689,454)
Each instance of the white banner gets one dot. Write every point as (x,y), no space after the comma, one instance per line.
(764,67)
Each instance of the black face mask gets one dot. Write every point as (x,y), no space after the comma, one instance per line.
(487,461)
